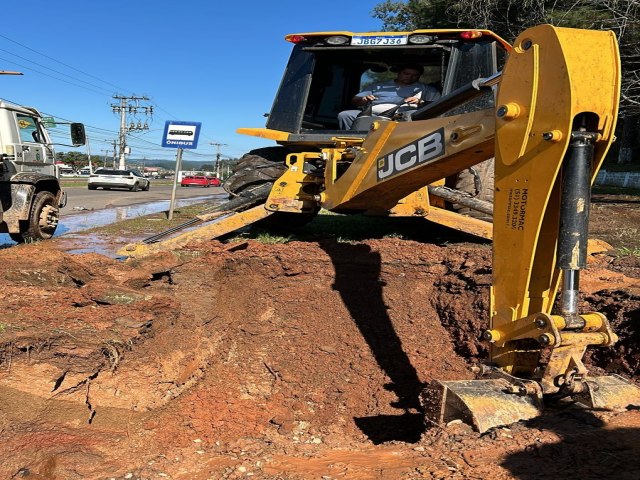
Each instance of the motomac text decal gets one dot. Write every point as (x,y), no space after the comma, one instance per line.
(426,148)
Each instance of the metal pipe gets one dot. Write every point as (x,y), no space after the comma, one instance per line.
(463,198)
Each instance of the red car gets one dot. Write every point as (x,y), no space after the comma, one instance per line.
(195,181)
(215,181)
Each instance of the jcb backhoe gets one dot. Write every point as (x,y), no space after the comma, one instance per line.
(549,129)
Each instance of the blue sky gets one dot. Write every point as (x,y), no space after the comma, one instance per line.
(219,63)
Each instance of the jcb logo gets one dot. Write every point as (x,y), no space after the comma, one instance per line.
(426,148)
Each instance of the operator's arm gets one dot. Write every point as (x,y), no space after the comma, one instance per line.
(361,100)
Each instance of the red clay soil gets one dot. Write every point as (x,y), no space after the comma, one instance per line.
(296,361)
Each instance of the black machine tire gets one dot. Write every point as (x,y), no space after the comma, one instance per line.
(43,219)
(479,182)
(257,168)
(92,187)
(135,187)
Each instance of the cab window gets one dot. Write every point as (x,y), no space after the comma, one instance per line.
(28,128)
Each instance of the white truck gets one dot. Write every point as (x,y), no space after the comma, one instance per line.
(30,191)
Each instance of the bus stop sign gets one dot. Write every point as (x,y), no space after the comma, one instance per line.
(181,134)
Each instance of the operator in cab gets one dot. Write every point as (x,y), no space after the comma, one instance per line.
(403,94)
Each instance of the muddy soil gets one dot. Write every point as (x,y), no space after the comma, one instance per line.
(289,361)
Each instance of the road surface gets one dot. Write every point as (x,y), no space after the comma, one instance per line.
(80,198)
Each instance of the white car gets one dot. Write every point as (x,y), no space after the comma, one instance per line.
(108,178)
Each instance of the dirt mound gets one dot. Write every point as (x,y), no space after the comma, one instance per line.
(267,361)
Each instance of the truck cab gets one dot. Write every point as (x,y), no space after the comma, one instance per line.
(30,191)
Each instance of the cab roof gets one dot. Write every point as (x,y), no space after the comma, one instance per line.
(437,32)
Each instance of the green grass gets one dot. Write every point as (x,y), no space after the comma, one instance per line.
(356,228)
(153,223)
(629,251)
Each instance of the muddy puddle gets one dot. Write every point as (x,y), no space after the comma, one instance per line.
(75,221)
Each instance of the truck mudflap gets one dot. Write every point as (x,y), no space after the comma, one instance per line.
(486,403)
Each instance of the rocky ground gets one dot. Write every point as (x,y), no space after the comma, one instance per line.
(287,361)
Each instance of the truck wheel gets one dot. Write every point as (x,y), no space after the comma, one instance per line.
(479,182)
(43,219)
(257,168)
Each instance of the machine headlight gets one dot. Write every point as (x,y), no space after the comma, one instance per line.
(337,40)
(420,39)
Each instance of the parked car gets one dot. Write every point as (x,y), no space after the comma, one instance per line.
(108,179)
(195,181)
(215,181)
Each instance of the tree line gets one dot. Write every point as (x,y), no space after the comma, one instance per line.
(508,18)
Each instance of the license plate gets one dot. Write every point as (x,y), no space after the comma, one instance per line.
(380,40)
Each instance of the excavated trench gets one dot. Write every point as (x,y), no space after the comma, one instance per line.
(289,361)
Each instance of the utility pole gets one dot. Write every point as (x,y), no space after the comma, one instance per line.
(129,106)
(218,145)
(106,154)
(89,156)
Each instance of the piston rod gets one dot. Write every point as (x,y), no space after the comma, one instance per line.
(574,222)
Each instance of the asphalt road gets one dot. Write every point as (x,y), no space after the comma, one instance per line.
(80,198)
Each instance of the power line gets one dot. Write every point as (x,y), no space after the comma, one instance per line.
(62,63)
(53,70)
(51,76)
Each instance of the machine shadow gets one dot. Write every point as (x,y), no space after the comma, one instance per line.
(588,449)
(358,281)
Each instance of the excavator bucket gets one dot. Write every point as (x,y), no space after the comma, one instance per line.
(485,404)
(611,392)
(495,402)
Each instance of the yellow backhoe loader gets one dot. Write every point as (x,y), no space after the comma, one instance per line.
(549,127)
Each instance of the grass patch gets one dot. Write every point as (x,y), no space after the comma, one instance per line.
(152,223)
(73,182)
(626,251)
(357,228)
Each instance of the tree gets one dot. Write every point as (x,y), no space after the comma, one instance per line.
(207,167)
(509,17)
(414,14)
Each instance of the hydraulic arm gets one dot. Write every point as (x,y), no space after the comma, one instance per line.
(557,107)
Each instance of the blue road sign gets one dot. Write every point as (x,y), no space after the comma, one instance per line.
(181,134)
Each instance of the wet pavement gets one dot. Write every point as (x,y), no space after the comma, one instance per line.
(72,222)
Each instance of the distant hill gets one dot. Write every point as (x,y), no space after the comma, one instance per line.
(170,164)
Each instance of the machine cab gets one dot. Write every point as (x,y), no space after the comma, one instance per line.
(326,70)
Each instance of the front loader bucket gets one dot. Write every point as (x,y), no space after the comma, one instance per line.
(482,403)
(611,392)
